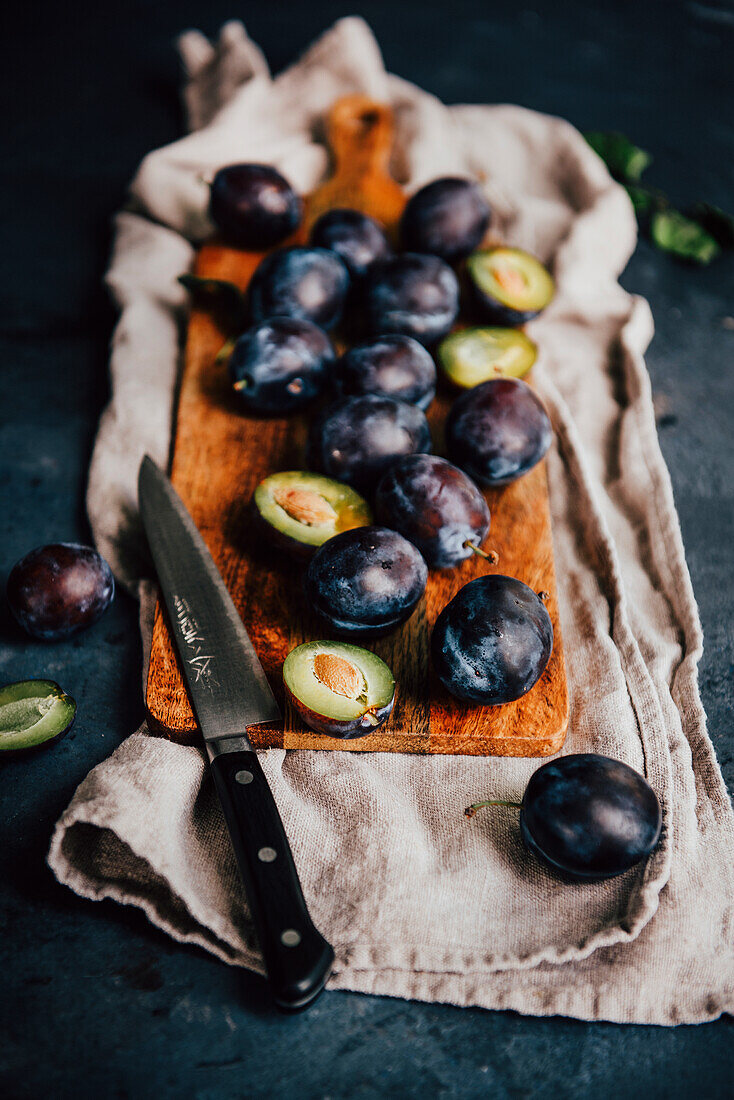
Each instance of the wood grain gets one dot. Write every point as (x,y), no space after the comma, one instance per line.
(220,455)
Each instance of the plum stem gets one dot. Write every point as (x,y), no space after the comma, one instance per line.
(471,810)
(492,556)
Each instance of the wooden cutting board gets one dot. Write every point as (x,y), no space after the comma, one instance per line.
(219,457)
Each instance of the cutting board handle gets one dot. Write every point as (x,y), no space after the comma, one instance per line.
(360,133)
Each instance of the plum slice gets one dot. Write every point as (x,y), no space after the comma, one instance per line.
(300,510)
(339,689)
(33,713)
(475,355)
(509,286)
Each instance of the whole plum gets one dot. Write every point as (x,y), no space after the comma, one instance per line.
(390,366)
(59,589)
(446,218)
(280,365)
(413,295)
(357,438)
(253,206)
(307,284)
(365,581)
(436,506)
(498,431)
(492,642)
(356,238)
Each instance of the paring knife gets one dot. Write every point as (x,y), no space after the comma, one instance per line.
(229,693)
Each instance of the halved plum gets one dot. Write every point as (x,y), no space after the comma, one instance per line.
(300,510)
(33,713)
(509,286)
(339,689)
(475,355)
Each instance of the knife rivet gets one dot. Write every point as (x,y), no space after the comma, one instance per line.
(244,777)
(267,855)
(290,938)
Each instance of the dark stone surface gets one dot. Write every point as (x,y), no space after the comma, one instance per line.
(96,1002)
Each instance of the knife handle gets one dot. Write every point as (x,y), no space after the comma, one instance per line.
(297,957)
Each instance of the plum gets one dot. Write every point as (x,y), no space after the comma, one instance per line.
(498,431)
(357,438)
(356,238)
(508,286)
(33,713)
(59,589)
(587,817)
(390,366)
(413,295)
(436,506)
(339,689)
(299,510)
(475,355)
(279,365)
(307,284)
(446,218)
(492,642)
(366,581)
(253,206)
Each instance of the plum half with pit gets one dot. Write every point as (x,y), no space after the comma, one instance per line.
(357,438)
(306,284)
(280,365)
(498,431)
(339,689)
(299,510)
(413,295)
(33,713)
(491,643)
(436,506)
(475,355)
(356,238)
(365,582)
(253,206)
(446,218)
(59,589)
(389,366)
(508,286)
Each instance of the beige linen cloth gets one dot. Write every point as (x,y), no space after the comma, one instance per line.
(418,901)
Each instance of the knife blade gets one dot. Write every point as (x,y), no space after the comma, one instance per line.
(229,693)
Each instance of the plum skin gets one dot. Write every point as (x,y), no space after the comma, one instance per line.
(281,364)
(366,581)
(253,206)
(59,589)
(307,284)
(413,295)
(434,505)
(589,817)
(446,218)
(356,238)
(497,431)
(389,366)
(492,642)
(357,438)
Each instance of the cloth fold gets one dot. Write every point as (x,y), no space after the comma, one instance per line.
(418,901)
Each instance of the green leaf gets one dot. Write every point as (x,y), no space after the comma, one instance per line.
(644,200)
(625,161)
(678,235)
(716,222)
(221,298)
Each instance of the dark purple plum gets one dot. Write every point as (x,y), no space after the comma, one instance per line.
(492,642)
(436,506)
(356,238)
(280,365)
(59,589)
(498,431)
(412,295)
(365,581)
(390,366)
(357,438)
(446,218)
(589,817)
(253,206)
(308,284)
